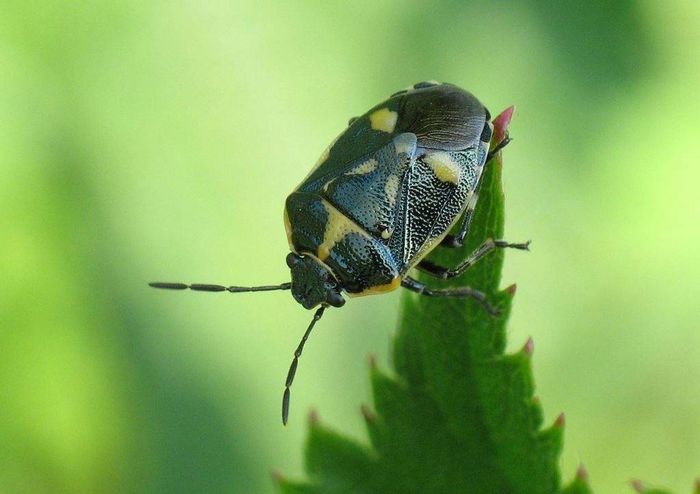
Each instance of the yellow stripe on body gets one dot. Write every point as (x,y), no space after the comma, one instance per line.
(379,289)
(337,226)
(288,229)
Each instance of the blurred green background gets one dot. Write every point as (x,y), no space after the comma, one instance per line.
(158,140)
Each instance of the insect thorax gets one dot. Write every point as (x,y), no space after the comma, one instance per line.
(359,262)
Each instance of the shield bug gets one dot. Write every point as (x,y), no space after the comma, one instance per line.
(384,194)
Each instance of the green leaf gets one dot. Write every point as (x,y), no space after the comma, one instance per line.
(458,415)
(580,483)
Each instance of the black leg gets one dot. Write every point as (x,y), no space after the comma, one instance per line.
(498,147)
(488,246)
(457,292)
(456,241)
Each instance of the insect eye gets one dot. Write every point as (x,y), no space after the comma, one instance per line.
(292,259)
(336,300)
(486,133)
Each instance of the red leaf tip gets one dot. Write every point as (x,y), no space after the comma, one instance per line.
(529,347)
(637,486)
(372,360)
(582,473)
(560,421)
(501,122)
(368,414)
(277,476)
(313,417)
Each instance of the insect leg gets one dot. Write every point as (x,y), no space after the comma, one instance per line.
(455,241)
(498,147)
(457,292)
(488,246)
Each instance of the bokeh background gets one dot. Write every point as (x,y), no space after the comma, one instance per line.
(157,140)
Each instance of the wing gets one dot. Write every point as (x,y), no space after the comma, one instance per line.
(435,193)
(365,136)
(404,171)
(442,117)
(368,191)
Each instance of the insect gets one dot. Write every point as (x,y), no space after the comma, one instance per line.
(384,194)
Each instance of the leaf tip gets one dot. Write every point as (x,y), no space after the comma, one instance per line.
(277,477)
(697,485)
(314,419)
(637,486)
(560,421)
(582,473)
(368,414)
(511,289)
(501,122)
(372,361)
(529,347)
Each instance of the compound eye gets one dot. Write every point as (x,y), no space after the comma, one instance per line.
(336,299)
(486,133)
(292,259)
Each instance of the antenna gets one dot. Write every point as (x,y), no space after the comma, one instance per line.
(219,288)
(201,287)
(295,362)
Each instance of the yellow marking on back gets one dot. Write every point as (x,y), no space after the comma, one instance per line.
(391,189)
(326,152)
(386,233)
(362,169)
(376,290)
(288,228)
(383,119)
(445,168)
(337,226)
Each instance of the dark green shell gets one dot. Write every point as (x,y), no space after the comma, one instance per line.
(391,186)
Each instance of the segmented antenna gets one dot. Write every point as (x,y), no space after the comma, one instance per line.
(219,288)
(295,362)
